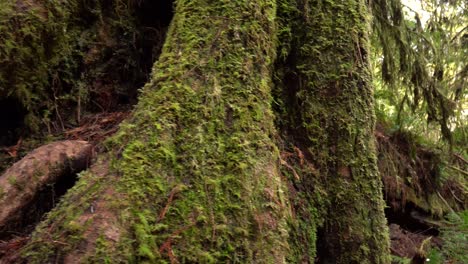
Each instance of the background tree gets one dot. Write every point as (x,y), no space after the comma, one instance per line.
(328,110)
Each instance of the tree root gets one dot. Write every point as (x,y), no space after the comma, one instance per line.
(21,184)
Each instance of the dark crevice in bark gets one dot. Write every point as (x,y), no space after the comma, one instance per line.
(323,254)
(152,20)
(288,104)
(127,66)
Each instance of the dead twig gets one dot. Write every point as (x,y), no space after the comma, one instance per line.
(173,192)
(167,245)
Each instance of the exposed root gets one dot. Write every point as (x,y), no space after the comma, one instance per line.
(21,184)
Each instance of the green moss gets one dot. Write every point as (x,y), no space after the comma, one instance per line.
(100,254)
(14,182)
(37,44)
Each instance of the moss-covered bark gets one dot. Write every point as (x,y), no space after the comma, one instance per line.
(194,171)
(327,104)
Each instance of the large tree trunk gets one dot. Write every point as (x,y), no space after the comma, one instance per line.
(328,109)
(193,175)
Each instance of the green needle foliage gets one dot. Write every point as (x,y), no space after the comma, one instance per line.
(423,59)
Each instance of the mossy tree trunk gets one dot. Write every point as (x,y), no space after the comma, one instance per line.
(193,175)
(327,108)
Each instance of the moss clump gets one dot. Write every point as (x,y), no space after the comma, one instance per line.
(2,193)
